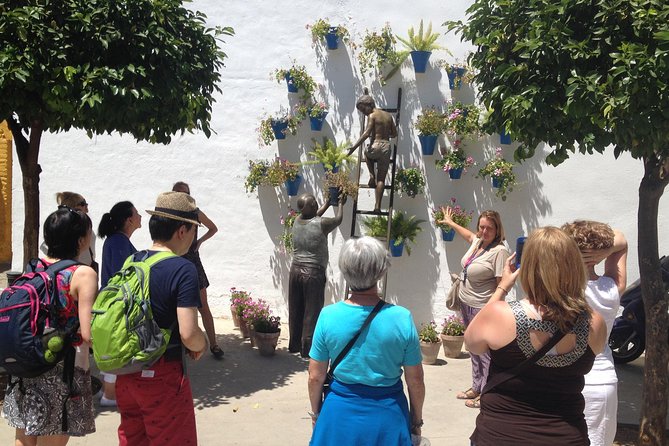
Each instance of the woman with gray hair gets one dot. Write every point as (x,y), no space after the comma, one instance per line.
(366,402)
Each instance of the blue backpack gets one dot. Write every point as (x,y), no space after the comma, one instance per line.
(32,343)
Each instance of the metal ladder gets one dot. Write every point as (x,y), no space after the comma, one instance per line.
(391,195)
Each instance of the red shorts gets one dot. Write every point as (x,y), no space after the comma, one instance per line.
(156,407)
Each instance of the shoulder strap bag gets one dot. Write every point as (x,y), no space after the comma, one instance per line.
(517,370)
(330,375)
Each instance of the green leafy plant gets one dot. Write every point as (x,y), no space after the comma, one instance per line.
(257,175)
(430,122)
(282,170)
(428,332)
(462,121)
(502,170)
(403,228)
(456,158)
(286,238)
(459,216)
(453,326)
(265,131)
(421,41)
(410,181)
(330,154)
(454,68)
(310,109)
(301,79)
(342,181)
(378,51)
(322,27)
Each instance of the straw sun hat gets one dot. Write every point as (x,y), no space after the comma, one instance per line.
(177,206)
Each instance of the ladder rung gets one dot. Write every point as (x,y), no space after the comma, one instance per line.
(371,212)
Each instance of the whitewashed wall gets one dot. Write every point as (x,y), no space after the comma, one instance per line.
(245,254)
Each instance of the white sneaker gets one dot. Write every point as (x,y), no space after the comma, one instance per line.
(105,402)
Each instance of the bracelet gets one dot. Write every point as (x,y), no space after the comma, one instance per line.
(314,416)
(505,291)
(418,424)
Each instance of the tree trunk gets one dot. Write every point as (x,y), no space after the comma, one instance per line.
(27,151)
(654,407)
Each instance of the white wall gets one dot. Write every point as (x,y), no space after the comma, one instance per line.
(245,254)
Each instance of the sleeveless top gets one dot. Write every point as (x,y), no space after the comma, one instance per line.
(543,405)
(309,242)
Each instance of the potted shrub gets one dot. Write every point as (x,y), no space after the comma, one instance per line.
(460,216)
(238,301)
(429,125)
(316,112)
(421,45)
(429,342)
(322,29)
(286,172)
(403,229)
(458,73)
(501,172)
(378,52)
(462,121)
(455,161)
(330,155)
(265,327)
(275,126)
(338,183)
(286,238)
(410,181)
(452,336)
(257,175)
(296,78)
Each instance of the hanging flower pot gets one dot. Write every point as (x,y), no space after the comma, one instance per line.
(496,182)
(267,342)
(455,174)
(396,250)
(293,185)
(420,59)
(332,39)
(317,122)
(279,128)
(334,169)
(427,143)
(455,75)
(504,138)
(448,236)
(292,88)
(334,196)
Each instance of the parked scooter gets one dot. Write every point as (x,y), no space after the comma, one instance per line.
(628,336)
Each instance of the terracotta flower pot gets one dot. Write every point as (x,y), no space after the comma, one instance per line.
(235,317)
(244,328)
(452,345)
(430,351)
(266,342)
(252,335)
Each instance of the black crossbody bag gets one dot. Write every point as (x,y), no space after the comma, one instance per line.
(330,375)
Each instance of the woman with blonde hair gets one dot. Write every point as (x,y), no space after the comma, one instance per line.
(482,267)
(540,401)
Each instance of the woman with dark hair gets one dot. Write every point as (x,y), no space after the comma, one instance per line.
(35,406)
(194,256)
(117,226)
(542,402)
(482,267)
(366,402)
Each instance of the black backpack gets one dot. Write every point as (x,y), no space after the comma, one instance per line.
(32,343)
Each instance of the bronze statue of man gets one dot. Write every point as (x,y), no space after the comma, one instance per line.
(306,285)
(380,128)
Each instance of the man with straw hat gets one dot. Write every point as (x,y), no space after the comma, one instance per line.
(156,404)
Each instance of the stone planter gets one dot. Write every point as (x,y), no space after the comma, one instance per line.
(252,335)
(235,318)
(266,342)
(430,351)
(244,328)
(452,345)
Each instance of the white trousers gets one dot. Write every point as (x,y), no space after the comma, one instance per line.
(601,413)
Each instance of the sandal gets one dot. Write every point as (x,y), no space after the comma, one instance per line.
(217,352)
(468,394)
(474,403)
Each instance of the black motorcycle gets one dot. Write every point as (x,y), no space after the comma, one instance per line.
(628,336)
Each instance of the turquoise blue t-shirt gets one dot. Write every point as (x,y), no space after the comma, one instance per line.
(376,359)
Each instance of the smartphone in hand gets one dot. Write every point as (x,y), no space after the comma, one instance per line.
(520,242)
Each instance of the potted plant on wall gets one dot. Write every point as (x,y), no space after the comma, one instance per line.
(316,112)
(462,121)
(286,172)
(458,73)
(429,342)
(410,181)
(286,238)
(455,161)
(421,45)
(296,78)
(330,155)
(275,126)
(377,52)
(403,230)
(460,216)
(453,336)
(323,30)
(338,183)
(429,124)
(501,172)
(257,175)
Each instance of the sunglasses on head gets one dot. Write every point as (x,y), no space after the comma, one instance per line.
(82,203)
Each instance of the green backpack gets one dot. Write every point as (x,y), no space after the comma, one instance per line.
(125,337)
